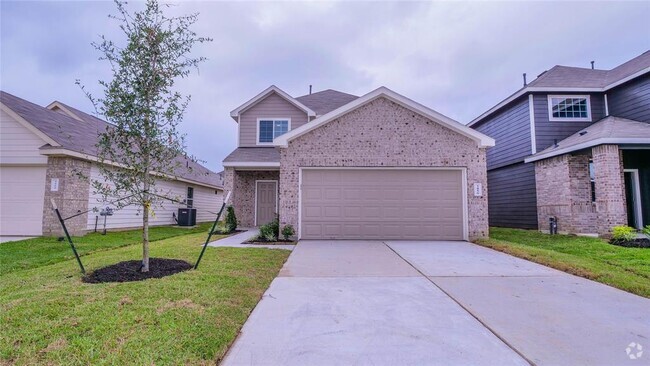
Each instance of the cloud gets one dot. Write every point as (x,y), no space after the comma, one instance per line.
(458,58)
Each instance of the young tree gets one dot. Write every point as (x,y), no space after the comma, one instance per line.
(143,107)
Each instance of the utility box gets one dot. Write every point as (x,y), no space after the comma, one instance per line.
(186,216)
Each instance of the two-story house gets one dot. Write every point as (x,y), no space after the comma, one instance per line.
(572,145)
(338,166)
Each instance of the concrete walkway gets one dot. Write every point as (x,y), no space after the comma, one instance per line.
(436,303)
(235,241)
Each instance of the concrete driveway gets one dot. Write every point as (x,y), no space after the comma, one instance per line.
(436,303)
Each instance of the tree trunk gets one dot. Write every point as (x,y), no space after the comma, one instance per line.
(145,226)
(145,238)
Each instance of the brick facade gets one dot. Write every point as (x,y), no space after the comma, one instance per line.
(564,191)
(610,187)
(242,185)
(71,197)
(384,134)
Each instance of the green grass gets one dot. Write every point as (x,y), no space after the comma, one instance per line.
(48,316)
(593,258)
(32,253)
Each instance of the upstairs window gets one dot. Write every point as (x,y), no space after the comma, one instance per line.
(190,197)
(569,108)
(268,129)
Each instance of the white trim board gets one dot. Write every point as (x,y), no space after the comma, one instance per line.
(463,182)
(251,164)
(277,196)
(481,139)
(266,92)
(531,113)
(584,145)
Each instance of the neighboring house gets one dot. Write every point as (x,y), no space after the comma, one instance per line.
(337,166)
(574,145)
(50,153)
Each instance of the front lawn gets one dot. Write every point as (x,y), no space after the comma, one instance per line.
(593,258)
(36,252)
(48,316)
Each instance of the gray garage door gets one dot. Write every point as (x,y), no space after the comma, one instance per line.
(381,204)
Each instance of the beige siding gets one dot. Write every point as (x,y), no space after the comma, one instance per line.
(18,145)
(206,202)
(272,106)
(22,190)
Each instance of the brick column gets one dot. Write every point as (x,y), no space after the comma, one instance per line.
(71,197)
(610,187)
(553,184)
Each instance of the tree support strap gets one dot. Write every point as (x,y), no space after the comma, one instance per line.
(214,226)
(65,230)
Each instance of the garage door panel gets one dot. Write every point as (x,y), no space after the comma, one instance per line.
(382,204)
(22,193)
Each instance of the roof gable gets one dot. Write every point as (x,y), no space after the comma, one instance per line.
(481,139)
(261,96)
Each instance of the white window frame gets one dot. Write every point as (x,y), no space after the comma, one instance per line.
(257,133)
(571,119)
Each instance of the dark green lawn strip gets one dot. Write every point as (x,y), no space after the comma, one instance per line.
(593,258)
(37,252)
(48,316)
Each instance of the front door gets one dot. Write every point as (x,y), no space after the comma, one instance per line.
(633,198)
(266,193)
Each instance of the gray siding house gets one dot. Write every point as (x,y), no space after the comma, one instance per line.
(572,145)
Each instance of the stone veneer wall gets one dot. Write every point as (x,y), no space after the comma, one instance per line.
(610,187)
(71,198)
(242,185)
(384,134)
(564,191)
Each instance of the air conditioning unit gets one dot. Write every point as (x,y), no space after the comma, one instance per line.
(186,216)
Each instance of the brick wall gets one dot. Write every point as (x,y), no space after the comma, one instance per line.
(384,134)
(564,190)
(553,192)
(242,184)
(71,197)
(610,187)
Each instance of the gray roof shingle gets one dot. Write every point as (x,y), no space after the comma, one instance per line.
(325,101)
(254,155)
(606,128)
(578,77)
(82,136)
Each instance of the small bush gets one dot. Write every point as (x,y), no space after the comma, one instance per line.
(231,220)
(646,231)
(270,231)
(623,233)
(267,233)
(288,231)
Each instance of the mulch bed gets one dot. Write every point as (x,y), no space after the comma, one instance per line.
(129,271)
(264,242)
(636,243)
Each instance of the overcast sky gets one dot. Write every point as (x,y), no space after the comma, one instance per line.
(457,58)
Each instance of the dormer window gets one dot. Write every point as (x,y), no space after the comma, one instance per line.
(569,108)
(270,128)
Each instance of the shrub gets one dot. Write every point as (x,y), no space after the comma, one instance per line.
(270,231)
(623,233)
(288,231)
(646,231)
(231,220)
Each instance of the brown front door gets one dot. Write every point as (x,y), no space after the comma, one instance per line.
(267,199)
